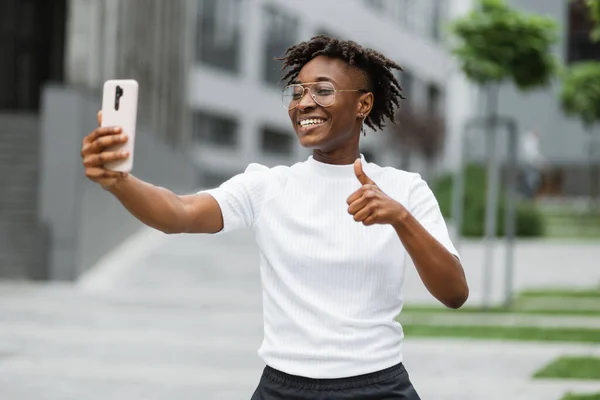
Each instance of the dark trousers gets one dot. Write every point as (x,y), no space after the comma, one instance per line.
(390,384)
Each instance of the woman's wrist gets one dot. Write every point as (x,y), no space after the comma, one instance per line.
(401,217)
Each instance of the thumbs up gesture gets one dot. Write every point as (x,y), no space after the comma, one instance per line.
(369,204)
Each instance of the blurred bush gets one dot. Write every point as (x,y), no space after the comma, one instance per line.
(529,220)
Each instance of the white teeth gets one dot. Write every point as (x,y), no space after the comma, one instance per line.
(307,122)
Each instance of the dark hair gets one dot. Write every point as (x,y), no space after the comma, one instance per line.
(377,68)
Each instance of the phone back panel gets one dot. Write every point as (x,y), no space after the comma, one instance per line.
(123,114)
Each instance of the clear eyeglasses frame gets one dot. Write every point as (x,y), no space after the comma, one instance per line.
(323,93)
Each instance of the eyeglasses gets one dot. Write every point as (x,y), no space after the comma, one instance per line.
(323,93)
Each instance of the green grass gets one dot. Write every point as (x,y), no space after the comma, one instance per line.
(565,222)
(532,302)
(585,335)
(569,367)
(588,293)
(539,301)
(499,310)
(570,396)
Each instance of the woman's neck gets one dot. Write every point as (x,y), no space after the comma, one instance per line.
(337,157)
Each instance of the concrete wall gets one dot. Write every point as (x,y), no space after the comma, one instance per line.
(133,39)
(21,237)
(85,221)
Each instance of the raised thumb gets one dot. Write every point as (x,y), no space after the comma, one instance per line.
(360,174)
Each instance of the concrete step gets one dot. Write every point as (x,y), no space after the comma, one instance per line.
(23,155)
(18,155)
(10,269)
(23,144)
(17,133)
(20,165)
(18,193)
(8,201)
(18,178)
(18,160)
(18,219)
(19,142)
(17,212)
(21,258)
(6,195)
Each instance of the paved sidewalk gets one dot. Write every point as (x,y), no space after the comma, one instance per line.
(179,317)
(483,370)
(538,264)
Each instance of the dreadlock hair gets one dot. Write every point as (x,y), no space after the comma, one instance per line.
(382,83)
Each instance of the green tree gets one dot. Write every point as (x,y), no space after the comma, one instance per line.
(495,44)
(594,8)
(498,43)
(580,98)
(580,94)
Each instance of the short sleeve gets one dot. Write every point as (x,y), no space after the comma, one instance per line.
(425,208)
(241,197)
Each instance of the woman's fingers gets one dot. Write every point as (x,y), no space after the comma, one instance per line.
(95,173)
(99,159)
(100,132)
(102,143)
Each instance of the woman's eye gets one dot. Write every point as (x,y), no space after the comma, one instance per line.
(324,92)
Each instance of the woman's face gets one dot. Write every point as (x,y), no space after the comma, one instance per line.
(330,127)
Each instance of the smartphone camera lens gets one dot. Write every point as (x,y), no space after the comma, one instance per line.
(118,95)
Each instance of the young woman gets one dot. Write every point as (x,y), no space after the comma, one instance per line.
(334,232)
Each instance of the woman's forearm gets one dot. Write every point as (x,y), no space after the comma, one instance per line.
(156,207)
(440,270)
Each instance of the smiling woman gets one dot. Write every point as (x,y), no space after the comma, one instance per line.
(335,232)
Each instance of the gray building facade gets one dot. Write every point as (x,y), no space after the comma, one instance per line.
(210,103)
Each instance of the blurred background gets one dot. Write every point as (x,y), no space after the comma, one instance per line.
(93,305)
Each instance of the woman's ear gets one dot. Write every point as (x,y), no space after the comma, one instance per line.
(365,103)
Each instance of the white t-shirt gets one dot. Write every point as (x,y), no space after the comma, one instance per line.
(332,287)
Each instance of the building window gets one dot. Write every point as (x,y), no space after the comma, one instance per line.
(437,19)
(218,34)
(32,37)
(280,32)
(404,12)
(434,97)
(407,81)
(580,45)
(378,5)
(276,141)
(215,129)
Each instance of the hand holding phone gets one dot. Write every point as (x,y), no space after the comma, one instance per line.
(119,109)
(95,154)
(107,152)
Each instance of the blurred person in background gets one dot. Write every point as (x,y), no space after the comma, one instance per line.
(335,232)
(533,163)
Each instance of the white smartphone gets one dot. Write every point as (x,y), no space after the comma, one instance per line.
(119,108)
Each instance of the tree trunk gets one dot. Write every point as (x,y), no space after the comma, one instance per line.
(492,191)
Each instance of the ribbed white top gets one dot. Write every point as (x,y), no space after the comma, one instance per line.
(332,287)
